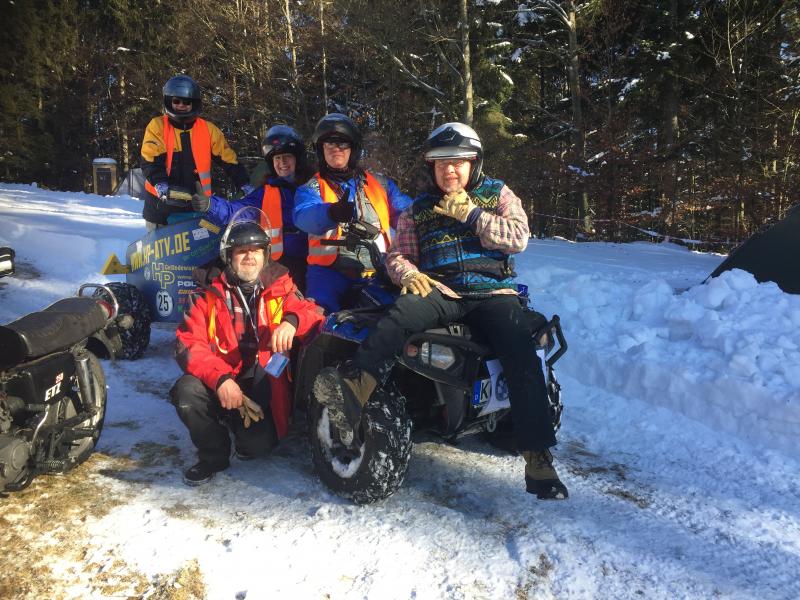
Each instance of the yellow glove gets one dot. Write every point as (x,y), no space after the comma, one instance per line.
(250,411)
(456,205)
(416,283)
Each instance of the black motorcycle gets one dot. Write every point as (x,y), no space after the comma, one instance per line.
(52,386)
(446,380)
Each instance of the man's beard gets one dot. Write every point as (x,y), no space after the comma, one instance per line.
(247,274)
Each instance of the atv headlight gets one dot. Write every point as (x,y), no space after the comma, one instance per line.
(435,355)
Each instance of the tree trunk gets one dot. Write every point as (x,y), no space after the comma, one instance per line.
(324,57)
(671,100)
(580,196)
(293,54)
(123,129)
(466,68)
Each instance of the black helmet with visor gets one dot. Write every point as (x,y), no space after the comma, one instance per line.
(337,127)
(244,231)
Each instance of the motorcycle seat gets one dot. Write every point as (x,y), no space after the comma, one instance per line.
(57,327)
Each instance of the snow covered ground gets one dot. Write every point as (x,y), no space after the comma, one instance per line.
(682,411)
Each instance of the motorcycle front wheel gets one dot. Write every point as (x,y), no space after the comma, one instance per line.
(372,463)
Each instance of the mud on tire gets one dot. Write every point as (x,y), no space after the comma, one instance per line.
(131,301)
(373,465)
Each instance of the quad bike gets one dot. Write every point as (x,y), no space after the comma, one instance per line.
(52,386)
(446,381)
(158,273)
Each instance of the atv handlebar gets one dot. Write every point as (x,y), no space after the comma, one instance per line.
(554,325)
(360,234)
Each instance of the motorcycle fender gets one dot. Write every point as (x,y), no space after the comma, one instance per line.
(43,381)
(109,339)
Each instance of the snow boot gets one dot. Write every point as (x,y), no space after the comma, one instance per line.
(200,474)
(541,477)
(345,394)
(243,456)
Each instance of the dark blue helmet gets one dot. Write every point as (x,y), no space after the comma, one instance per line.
(182,86)
(282,139)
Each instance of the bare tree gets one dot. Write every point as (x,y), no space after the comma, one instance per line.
(466,69)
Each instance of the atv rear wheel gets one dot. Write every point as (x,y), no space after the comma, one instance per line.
(372,464)
(131,302)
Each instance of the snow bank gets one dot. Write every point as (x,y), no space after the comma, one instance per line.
(726,353)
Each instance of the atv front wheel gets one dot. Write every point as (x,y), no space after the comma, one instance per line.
(131,302)
(372,464)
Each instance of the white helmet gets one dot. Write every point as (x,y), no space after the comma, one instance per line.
(456,140)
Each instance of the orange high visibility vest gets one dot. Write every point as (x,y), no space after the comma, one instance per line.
(271,206)
(326,255)
(201,152)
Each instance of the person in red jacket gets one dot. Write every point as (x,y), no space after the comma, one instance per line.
(244,316)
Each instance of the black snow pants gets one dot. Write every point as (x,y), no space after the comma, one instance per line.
(210,425)
(501,320)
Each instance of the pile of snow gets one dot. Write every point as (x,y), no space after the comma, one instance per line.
(726,353)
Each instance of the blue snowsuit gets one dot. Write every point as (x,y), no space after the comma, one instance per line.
(328,285)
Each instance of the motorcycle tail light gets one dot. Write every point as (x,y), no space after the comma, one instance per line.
(435,355)
(107,308)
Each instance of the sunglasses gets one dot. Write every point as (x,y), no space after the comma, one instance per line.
(450,162)
(340,144)
(184,101)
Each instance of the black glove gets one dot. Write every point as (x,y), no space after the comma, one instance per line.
(342,211)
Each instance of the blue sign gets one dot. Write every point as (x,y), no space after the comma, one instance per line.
(162,262)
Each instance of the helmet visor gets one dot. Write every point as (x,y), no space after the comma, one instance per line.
(245,216)
(445,152)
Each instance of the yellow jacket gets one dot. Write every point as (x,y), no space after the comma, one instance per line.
(153,144)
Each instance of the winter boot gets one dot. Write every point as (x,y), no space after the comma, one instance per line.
(200,473)
(345,394)
(243,456)
(541,477)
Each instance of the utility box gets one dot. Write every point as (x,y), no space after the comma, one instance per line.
(104,175)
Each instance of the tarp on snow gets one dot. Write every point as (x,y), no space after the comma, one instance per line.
(132,184)
(771,255)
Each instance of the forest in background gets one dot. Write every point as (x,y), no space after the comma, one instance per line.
(611,119)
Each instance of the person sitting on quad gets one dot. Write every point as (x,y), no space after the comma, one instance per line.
(339,192)
(452,252)
(177,151)
(242,316)
(285,154)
